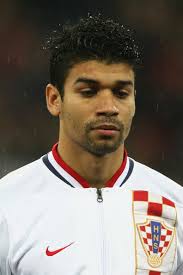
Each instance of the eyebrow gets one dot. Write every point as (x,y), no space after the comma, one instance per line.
(93,81)
(86,80)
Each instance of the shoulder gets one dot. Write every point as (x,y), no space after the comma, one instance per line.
(20,182)
(19,174)
(146,178)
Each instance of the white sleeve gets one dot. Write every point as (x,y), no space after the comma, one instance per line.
(4,247)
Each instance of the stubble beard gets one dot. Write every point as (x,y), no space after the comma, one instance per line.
(106,145)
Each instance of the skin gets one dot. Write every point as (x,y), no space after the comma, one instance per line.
(95,93)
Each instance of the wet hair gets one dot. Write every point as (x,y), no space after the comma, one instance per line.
(92,38)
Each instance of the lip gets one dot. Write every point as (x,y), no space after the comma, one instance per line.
(105,132)
(107,127)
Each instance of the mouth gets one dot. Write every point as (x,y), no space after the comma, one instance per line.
(111,127)
(106,129)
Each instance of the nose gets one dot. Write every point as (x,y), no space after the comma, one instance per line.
(106,104)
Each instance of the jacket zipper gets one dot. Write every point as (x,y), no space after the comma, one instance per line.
(99,195)
(102,232)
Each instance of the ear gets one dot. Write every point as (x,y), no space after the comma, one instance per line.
(53,100)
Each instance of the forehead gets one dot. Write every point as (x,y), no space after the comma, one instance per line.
(100,71)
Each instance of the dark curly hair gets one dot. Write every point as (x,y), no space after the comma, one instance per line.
(92,38)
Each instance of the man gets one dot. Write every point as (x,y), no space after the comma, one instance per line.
(86,207)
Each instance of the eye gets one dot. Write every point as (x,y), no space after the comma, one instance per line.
(88,92)
(121,93)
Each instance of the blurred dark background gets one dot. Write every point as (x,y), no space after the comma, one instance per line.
(27,129)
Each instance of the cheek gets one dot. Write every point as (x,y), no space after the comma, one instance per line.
(128,111)
(131,108)
(72,119)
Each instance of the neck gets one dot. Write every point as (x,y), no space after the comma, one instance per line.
(96,170)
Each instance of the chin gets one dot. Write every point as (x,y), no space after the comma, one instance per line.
(101,150)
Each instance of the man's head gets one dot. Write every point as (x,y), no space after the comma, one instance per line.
(93,38)
(92,71)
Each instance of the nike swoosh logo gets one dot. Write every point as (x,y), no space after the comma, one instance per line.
(52,253)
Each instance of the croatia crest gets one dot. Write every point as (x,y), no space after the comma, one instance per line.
(156,238)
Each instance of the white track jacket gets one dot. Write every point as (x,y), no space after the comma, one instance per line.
(52,223)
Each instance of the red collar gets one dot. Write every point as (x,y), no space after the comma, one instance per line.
(81,180)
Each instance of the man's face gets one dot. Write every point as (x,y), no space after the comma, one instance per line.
(98,106)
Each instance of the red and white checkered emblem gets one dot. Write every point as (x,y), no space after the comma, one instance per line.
(156,238)
(155,218)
